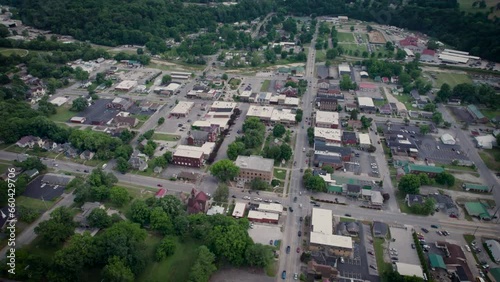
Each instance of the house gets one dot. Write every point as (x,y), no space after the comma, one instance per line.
(125,121)
(349,229)
(476,114)
(139,161)
(412,199)
(252,167)
(366,104)
(7,220)
(289,91)
(197,202)
(456,261)
(415,95)
(431,171)
(349,138)
(29,141)
(161,193)
(445,203)
(355,124)
(49,145)
(87,155)
(86,209)
(409,42)
(31,173)
(121,104)
(200,137)
(349,107)
(353,190)
(494,248)
(71,153)
(385,109)
(380,229)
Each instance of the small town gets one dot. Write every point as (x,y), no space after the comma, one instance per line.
(270,148)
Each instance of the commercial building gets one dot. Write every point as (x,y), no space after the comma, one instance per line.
(126,85)
(264,113)
(252,167)
(220,109)
(486,141)
(216,210)
(477,209)
(328,135)
(182,109)
(239,209)
(367,87)
(208,124)
(494,248)
(476,187)
(431,171)
(188,157)
(270,207)
(327,119)
(476,114)
(406,269)
(265,217)
(284,116)
(447,139)
(322,234)
(366,104)
(344,69)
(59,101)
(206,148)
(364,140)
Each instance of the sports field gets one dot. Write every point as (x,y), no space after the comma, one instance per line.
(451,78)
(345,37)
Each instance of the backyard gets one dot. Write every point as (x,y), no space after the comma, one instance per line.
(63,114)
(279,173)
(452,79)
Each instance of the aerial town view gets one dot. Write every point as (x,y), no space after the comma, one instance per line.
(249,141)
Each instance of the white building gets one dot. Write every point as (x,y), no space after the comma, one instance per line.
(271,207)
(59,101)
(216,210)
(182,109)
(406,269)
(206,148)
(239,209)
(126,85)
(344,69)
(494,248)
(322,233)
(486,141)
(447,139)
(364,140)
(327,119)
(172,87)
(366,104)
(329,135)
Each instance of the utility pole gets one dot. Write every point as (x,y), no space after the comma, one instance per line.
(475,231)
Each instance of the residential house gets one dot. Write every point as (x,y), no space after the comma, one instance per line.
(289,91)
(355,124)
(197,202)
(349,229)
(138,161)
(380,229)
(87,155)
(49,145)
(31,173)
(86,209)
(30,142)
(445,203)
(125,121)
(412,199)
(121,104)
(71,153)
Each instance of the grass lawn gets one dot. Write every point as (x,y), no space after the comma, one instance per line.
(382,266)
(165,137)
(3,167)
(141,117)
(345,37)
(321,56)
(451,78)
(466,5)
(347,219)
(491,157)
(265,85)
(490,113)
(234,83)
(379,103)
(174,268)
(34,203)
(8,52)
(279,173)
(405,99)
(272,269)
(353,47)
(457,167)
(46,252)
(63,114)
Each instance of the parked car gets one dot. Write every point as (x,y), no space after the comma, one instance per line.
(434,226)
(425,230)
(283,275)
(342,260)
(295,276)
(394,258)
(348,214)
(298,250)
(290,209)
(299,233)
(370,252)
(373,267)
(271,242)
(159,185)
(288,249)
(413,246)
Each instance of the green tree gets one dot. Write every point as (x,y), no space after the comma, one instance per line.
(122,165)
(279,130)
(346,83)
(354,115)
(437,118)
(298,115)
(58,228)
(161,120)
(119,196)
(229,242)
(445,178)
(224,170)
(366,122)
(259,184)
(166,248)
(331,54)
(221,193)
(352,28)
(259,255)
(140,212)
(160,221)
(166,79)
(424,129)
(409,184)
(79,104)
(235,149)
(117,271)
(80,74)
(27,214)
(99,218)
(31,163)
(286,152)
(224,77)
(327,168)
(400,55)
(203,266)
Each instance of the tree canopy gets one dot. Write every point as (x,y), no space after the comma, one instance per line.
(224,170)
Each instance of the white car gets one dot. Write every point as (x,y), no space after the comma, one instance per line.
(246,198)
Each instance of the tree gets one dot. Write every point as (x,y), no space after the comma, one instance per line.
(166,248)
(437,118)
(409,184)
(259,255)
(229,242)
(444,93)
(140,51)
(31,163)
(166,79)
(389,46)
(79,104)
(122,165)
(235,149)
(224,170)
(366,122)
(203,266)
(284,54)
(119,196)
(346,83)
(331,54)
(279,130)
(160,221)
(98,218)
(140,212)
(161,120)
(224,77)
(354,115)
(117,271)
(327,168)
(298,115)
(58,228)
(400,55)
(445,178)
(369,28)
(352,28)
(258,184)
(424,129)
(221,193)
(286,152)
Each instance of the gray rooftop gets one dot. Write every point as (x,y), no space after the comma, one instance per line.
(57,179)
(255,163)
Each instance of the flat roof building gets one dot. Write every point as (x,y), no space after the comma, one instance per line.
(182,109)
(264,113)
(239,209)
(252,167)
(366,104)
(327,119)
(406,269)
(126,85)
(322,221)
(188,157)
(216,210)
(266,217)
(364,140)
(344,69)
(270,207)
(285,116)
(328,135)
(207,148)
(322,233)
(172,87)
(59,101)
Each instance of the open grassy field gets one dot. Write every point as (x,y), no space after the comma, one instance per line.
(353,47)
(405,99)
(3,167)
(34,203)
(19,52)
(63,114)
(466,5)
(345,37)
(279,173)
(451,78)
(173,269)
(320,55)
(490,113)
(491,158)
(165,137)
(265,85)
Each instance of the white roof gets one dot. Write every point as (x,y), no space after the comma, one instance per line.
(409,52)
(246,93)
(262,112)
(328,178)
(257,163)
(329,134)
(364,139)
(182,108)
(327,117)
(271,207)
(285,115)
(126,84)
(406,269)
(494,247)
(453,59)
(188,152)
(263,215)
(322,221)
(223,105)
(376,197)
(59,101)
(78,119)
(172,86)
(206,148)
(460,55)
(291,101)
(337,241)
(215,210)
(365,102)
(344,68)
(486,141)
(221,122)
(239,209)
(363,73)
(447,137)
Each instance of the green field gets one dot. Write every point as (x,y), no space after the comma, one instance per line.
(279,173)
(353,48)
(382,266)
(345,37)
(265,85)
(405,99)
(8,52)
(3,167)
(466,5)
(63,114)
(173,269)
(491,158)
(234,82)
(33,203)
(165,137)
(451,78)
(320,55)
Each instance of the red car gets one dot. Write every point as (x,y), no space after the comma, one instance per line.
(298,250)
(159,185)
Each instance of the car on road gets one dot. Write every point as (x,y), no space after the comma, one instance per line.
(425,230)
(298,250)
(370,253)
(301,218)
(283,275)
(233,196)
(290,209)
(348,214)
(295,276)
(295,199)
(434,226)
(373,267)
(299,233)
(271,242)
(413,246)
(301,170)
(246,198)
(159,185)
(317,205)
(86,171)
(394,258)
(288,249)
(342,260)
(467,248)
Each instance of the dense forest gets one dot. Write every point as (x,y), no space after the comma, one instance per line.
(114,22)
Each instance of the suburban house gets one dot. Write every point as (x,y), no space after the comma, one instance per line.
(348,229)
(81,218)
(71,153)
(445,203)
(87,155)
(431,171)
(29,141)
(125,121)
(161,193)
(139,161)
(121,104)
(31,173)
(412,199)
(252,167)
(49,145)
(197,202)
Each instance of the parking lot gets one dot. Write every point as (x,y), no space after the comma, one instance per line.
(432,149)
(171,124)
(38,190)
(263,233)
(400,246)
(461,114)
